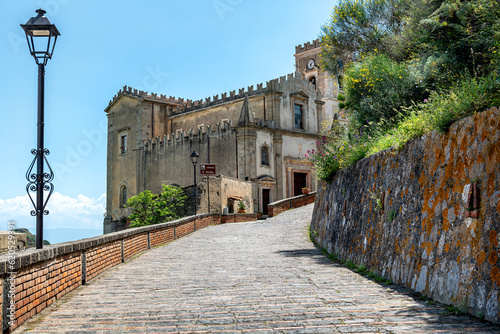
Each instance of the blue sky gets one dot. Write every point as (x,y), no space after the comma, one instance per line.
(190,49)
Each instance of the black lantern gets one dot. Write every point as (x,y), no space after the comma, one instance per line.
(41,36)
(194,159)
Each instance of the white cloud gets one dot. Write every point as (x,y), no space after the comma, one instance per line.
(81,212)
(82,205)
(15,206)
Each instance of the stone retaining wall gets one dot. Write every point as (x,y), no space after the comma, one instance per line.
(278,207)
(425,234)
(45,275)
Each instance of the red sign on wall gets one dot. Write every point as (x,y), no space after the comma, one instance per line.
(207,169)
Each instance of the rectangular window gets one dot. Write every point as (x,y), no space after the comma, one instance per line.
(123,144)
(298,116)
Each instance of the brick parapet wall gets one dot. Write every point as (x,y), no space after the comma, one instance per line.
(161,236)
(239,218)
(38,286)
(44,275)
(277,207)
(425,236)
(134,245)
(100,258)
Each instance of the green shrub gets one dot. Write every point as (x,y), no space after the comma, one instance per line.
(339,148)
(378,88)
(344,148)
(149,209)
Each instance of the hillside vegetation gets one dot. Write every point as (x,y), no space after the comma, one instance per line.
(31,238)
(407,68)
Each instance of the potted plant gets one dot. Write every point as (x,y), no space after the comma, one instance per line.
(241,207)
(305,190)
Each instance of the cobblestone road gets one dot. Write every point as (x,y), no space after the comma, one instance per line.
(260,277)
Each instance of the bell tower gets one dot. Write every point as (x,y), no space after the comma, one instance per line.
(307,62)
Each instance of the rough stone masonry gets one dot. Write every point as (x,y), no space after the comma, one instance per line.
(436,224)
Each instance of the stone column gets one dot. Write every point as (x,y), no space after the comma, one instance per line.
(278,166)
(109,171)
(289,184)
(320,114)
(247,159)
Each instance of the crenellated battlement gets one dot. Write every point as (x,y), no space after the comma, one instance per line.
(180,105)
(127,90)
(307,46)
(182,136)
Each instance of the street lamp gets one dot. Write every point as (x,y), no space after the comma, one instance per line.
(41,36)
(194,159)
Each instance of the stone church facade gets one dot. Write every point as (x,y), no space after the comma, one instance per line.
(258,135)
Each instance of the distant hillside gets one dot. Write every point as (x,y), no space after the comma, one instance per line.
(31,237)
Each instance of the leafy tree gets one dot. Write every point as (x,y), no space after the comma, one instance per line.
(396,54)
(451,39)
(448,37)
(150,209)
(358,27)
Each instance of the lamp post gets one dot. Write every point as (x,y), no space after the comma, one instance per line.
(194,159)
(41,36)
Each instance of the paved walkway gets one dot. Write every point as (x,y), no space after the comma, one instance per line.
(261,277)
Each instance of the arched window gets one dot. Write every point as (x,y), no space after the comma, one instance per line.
(313,80)
(123,196)
(264,156)
(298,114)
(340,80)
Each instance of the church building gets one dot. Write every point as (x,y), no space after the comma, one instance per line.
(258,135)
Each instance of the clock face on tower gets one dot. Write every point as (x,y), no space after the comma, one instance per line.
(310,64)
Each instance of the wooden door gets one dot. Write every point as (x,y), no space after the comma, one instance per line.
(265,201)
(299,182)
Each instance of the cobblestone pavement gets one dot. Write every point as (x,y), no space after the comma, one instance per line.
(259,277)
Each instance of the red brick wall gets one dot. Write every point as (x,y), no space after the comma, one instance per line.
(207,221)
(239,218)
(184,229)
(2,282)
(134,245)
(40,285)
(294,202)
(103,257)
(161,236)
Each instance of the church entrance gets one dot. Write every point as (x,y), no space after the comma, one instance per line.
(266,186)
(265,201)
(230,205)
(299,182)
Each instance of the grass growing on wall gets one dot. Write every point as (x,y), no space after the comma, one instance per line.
(440,111)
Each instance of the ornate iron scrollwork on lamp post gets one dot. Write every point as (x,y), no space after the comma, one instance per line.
(41,36)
